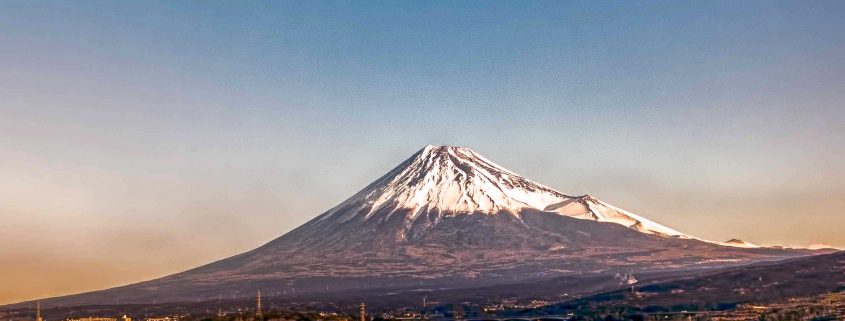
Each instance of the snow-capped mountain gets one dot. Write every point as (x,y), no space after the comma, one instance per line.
(445,218)
(454,180)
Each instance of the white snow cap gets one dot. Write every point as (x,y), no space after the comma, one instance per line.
(450,179)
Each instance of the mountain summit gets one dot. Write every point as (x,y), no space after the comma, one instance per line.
(451,179)
(456,180)
(445,218)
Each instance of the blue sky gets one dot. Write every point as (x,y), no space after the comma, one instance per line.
(234,122)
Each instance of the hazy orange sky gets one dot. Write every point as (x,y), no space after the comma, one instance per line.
(139,139)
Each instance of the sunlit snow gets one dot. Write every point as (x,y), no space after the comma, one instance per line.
(455,180)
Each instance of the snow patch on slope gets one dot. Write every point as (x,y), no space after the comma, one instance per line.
(590,208)
(740,243)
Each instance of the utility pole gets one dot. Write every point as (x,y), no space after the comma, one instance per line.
(258,315)
(38,311)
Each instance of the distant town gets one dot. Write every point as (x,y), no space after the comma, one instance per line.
(829,306)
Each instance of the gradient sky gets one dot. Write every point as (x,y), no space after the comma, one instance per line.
(139,139)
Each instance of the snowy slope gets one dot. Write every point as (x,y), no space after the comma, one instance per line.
(587,207)
(454,180)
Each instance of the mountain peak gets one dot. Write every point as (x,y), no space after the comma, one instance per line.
(450,180)
(456,153)
(443,148)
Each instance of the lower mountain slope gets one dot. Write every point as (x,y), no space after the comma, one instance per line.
(768,282)
(465,251)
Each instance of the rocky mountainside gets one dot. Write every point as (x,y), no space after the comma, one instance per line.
(445,218)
